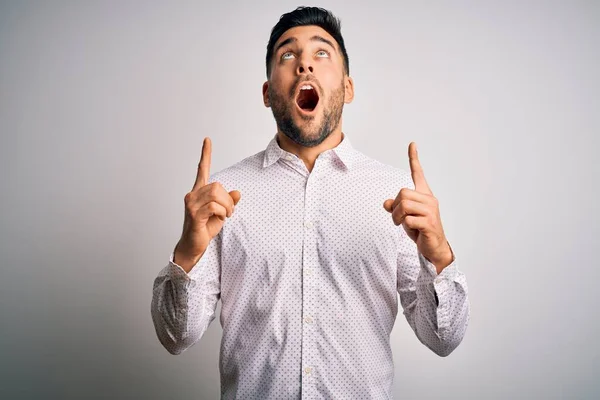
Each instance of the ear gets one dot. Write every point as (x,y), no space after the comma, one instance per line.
(349,89)
(265,90)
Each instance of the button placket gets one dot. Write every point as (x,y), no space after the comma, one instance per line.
(309,262)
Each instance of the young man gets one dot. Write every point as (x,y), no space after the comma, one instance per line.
(306,254)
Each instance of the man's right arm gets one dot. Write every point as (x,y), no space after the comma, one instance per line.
(183,304)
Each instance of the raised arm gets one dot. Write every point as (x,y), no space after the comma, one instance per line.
(183,305)
(433,292)
(436,306)
(186,291)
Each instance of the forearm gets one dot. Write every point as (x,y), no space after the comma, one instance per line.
(181,312)
(441,324)
(186,262)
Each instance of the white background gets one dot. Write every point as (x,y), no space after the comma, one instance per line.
(103,109)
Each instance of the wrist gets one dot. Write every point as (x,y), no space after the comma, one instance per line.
(185,260)
(446,258)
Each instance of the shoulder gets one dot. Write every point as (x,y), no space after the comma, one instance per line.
(379,171)
(241,172)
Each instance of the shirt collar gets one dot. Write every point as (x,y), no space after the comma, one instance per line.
(343,151)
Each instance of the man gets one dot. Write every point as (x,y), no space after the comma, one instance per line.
(306,254)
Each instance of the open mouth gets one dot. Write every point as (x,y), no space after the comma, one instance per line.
(307,97)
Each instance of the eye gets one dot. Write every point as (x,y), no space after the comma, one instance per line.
(287,55)
(322,53)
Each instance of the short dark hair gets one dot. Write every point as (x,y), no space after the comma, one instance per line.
(303,16)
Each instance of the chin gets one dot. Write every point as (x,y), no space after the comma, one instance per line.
(309,129)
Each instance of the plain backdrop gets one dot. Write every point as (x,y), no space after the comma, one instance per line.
(103,109)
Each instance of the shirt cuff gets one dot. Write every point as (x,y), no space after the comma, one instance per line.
(448,273)
(177,274)
(440,282)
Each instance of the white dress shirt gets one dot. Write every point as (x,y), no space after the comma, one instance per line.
(309,269)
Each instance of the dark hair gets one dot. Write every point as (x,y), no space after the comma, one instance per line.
(303,16)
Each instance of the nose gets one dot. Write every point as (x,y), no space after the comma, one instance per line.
(304,66)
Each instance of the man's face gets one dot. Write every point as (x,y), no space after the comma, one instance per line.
(308,86)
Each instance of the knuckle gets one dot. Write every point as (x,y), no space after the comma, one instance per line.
(212,206)
(190,204)
(206,193)
(215,188)
(191,212)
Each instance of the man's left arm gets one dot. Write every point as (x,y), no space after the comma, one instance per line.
(433,292)
(436,305)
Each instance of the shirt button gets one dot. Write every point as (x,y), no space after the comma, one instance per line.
(307,370)
(307,271)
(438,280)
(308,320)
(308,224)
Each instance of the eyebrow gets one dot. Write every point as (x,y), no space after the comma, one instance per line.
(317,38)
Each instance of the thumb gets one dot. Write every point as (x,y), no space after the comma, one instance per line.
(388,205)
(235,195)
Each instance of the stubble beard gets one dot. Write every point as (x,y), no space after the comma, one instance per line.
(311,135)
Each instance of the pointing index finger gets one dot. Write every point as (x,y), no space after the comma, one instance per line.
(416,171)
(204,166)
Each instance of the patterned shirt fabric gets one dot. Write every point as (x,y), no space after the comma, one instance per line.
(309,270)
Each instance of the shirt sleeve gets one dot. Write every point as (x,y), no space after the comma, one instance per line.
(183,304)
(436,306)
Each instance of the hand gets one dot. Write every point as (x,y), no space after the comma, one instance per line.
(206,208)
(418,212)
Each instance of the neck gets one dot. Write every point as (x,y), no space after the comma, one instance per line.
(309,154)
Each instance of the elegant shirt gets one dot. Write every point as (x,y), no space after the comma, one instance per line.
(309,269)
